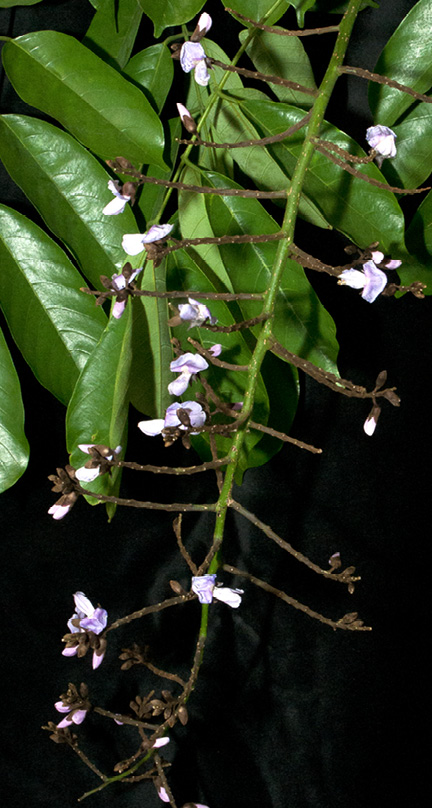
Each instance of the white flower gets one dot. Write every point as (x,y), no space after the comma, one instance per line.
(382,140)
(118,204)
(195,312)
(93,469)
(133,243)
(204,24)
(391,263)
(196,414)
(371,279)
(59,511)
(204,587)
(188,365)
(192,57)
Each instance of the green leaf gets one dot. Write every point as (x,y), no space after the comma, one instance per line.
(413,162)
(98,409)
(152,347)
(301,323)
(256,9)
(14,448)
(10,3)
(56,74)
(231,125)
(195,223)
(152,70)
(68,186)
(151,198)
(54,324)
(406,59)
(363,212)
(170,12)
(284,57)
(113,29)
(230,386)
(419,242)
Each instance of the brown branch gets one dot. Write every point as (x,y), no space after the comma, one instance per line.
(348,622)
(255,74)
(345,577)
(164,781)
(82,756)
(180,507)
(366,74)
(352,158)
(177,531)
(227,329)
(164,674)
(155,607)
(219,363)
(125,719)
(208,466)
(282,436)
(243,238)
(199,189)
(263,141)
(310,262)
(283,31)
(343,164)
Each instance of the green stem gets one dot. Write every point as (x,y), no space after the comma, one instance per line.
(293,198)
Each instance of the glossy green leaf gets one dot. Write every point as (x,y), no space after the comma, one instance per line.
(184,273)
(152,347)
(10,3)
(152,70)
(55,326)
(284,57)
(419,242)
(301,323)
(98,409)
(256,9)
(151,198)
(195,223)
(363,212)
(336,7)
(230,125)
(113,29)
(413,162)
(58,75)
(14,448)
(69,188)
(406,59)
(164,13)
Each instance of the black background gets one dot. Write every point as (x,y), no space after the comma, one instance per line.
(287,713)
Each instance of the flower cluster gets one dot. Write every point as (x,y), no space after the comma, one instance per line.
(85,626)
(370,278)
(75,703)
(100,462)
(192,53)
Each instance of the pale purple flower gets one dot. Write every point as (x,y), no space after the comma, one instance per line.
(160,742)
(188,365)
(118,204)
(371,279)
(59,511)
(196,414)
(378,258)
(215,350)
(204,24)
(118,284)
(204,586)
(89,473)
(76,716)
(195,313)
(133,243)
(192,57)
(86,618)
(162,794)
(382,140)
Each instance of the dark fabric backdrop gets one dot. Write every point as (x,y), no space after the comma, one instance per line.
(287,713)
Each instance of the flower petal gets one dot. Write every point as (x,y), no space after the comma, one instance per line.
(59,511)
(232,597)
(376,281)
(118,309)
(203,586)
(87,475)
(204,23)
(156,233)
(189,362)
(190,54)
(153,427)
(70,650)
(97,660)
(96,621)
(116,206)
(201,74)
(132,243)
(79,716)
(83,604)
(179,385)
(352,277)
